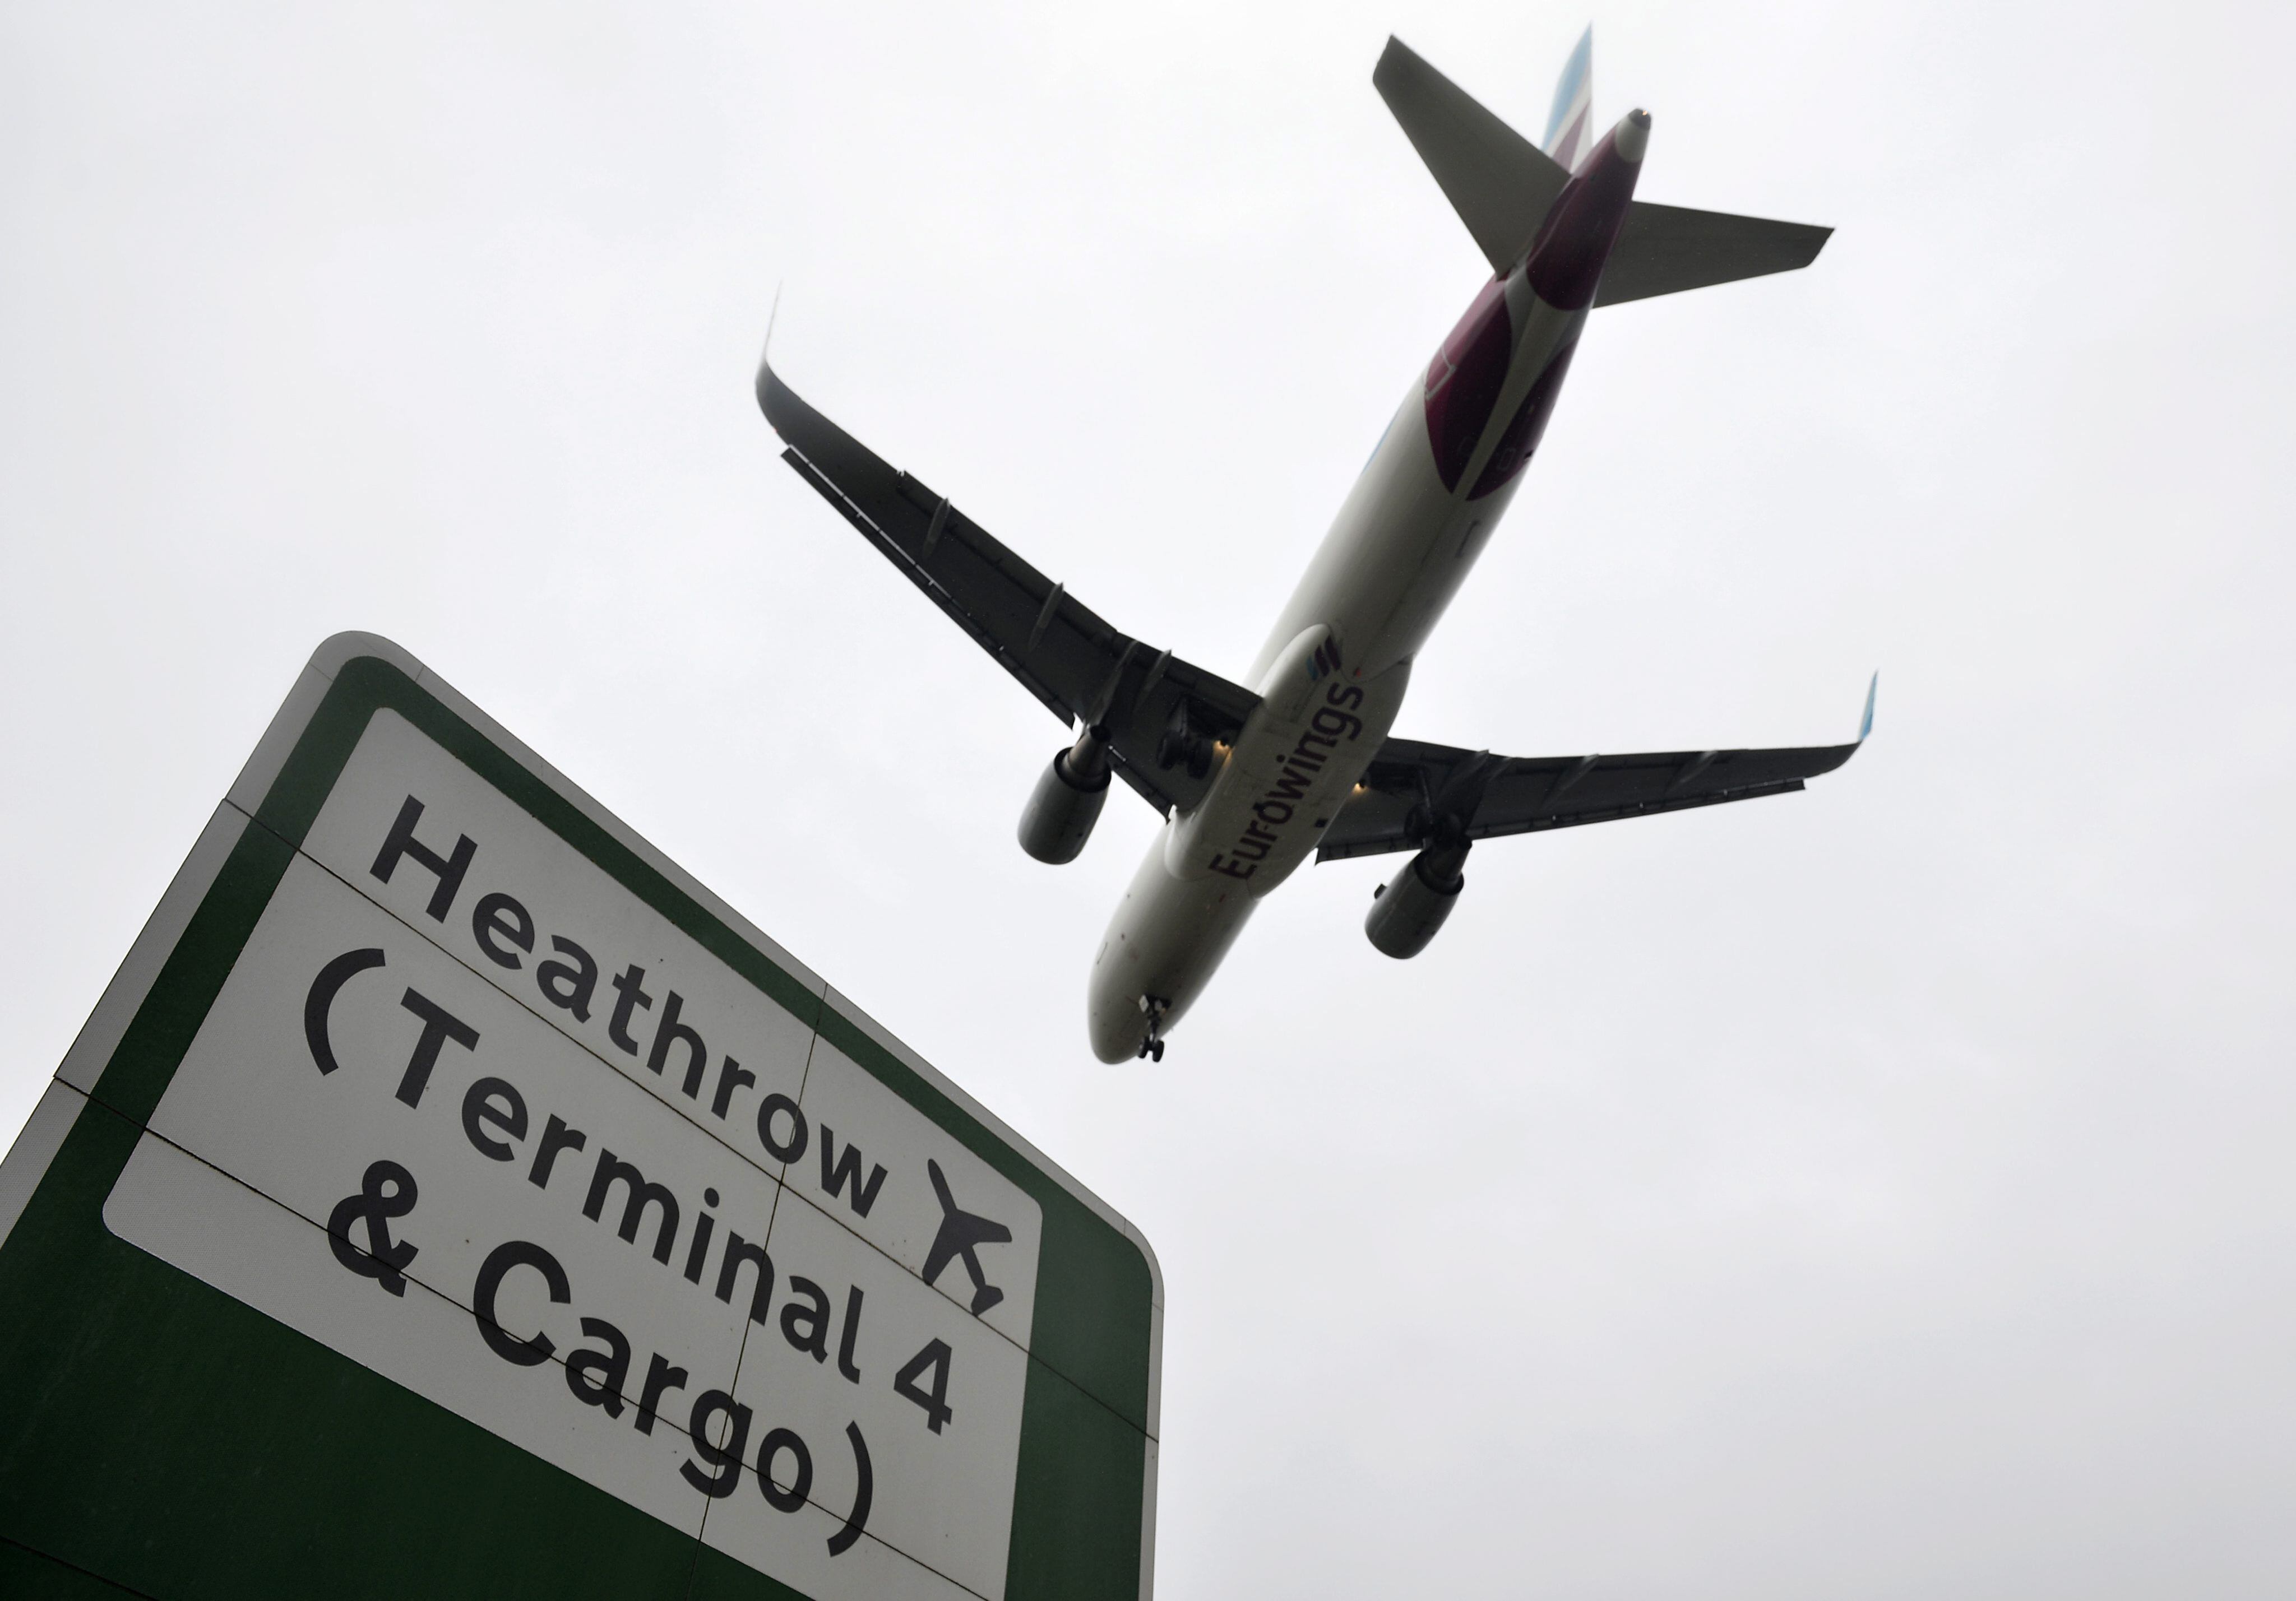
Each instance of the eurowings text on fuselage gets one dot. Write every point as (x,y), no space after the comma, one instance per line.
(1251,779)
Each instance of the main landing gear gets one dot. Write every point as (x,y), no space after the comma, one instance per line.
(1152,1043)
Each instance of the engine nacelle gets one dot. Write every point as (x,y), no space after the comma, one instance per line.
(1066,802)
(1407,913)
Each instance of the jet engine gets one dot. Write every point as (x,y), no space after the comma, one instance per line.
(1406,912)
(1066,802)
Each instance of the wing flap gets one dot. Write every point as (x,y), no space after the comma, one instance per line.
(875,534)
(1059,649)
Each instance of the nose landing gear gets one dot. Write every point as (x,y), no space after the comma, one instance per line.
(1152,1043)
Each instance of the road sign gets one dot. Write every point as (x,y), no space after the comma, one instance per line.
(450,1197)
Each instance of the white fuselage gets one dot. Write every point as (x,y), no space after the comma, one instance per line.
(1396,555)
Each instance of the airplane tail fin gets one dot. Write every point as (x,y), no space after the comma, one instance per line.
(1503,186)
(1574,104)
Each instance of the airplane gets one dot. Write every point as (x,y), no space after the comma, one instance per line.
(961,1234)
(1250,780)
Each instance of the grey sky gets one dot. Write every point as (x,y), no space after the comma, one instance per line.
(1881,1191)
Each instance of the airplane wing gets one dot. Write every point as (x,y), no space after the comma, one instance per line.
(1062,653)
(1409,784)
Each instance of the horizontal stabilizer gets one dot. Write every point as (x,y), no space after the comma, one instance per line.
(1500,183)
(1664,250)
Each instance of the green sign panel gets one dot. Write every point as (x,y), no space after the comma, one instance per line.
(450,1198)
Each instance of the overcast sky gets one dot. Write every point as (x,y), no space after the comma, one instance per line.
(1885,1190)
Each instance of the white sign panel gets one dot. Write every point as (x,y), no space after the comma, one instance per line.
(471,1114)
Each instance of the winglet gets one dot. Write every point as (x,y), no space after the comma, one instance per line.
(766,381)
(1865,723)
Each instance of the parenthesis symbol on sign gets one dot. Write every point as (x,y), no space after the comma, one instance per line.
(321,1000)
(843,1540)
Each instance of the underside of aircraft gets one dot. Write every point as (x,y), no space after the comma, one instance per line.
(1303,757)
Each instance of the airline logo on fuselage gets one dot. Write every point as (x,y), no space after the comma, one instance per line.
(1333,723)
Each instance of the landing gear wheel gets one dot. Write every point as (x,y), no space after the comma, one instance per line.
(1152,1043)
